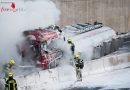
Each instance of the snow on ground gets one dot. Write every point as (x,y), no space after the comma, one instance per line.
(64,78)
(109,80)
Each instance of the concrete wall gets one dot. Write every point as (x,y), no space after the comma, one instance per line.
(113,13)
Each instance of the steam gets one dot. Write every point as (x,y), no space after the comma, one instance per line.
(30,15)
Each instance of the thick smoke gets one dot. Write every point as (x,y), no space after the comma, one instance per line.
(29,15)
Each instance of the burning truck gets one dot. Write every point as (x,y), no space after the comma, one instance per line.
(36,47)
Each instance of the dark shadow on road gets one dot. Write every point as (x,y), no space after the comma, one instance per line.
(94,88)
(85,88)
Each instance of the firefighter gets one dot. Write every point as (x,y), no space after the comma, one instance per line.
(9,66)
(10,83)
(72,47)
(79,64)
(56,27)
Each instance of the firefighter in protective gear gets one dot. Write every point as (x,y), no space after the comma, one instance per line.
(8,67)
(11,83)
(79,64)
(10,64)
(72,48)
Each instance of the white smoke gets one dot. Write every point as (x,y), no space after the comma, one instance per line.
(30,15)
(41,13)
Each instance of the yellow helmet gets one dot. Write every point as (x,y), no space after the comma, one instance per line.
(10,74)
(77,56)
(11,62)
(69,40)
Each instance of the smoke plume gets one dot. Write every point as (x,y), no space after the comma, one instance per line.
(22,16)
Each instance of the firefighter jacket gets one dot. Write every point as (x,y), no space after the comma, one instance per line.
(11,84)
(79,63)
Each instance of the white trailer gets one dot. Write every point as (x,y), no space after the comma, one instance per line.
(86,39)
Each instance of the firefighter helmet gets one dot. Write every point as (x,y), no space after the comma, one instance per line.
(10,74)
(11,62)
(69,40)
(77,56)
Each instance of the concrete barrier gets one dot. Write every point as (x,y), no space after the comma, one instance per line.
(124,60)
(108,63)
(94,66)
(35,80)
